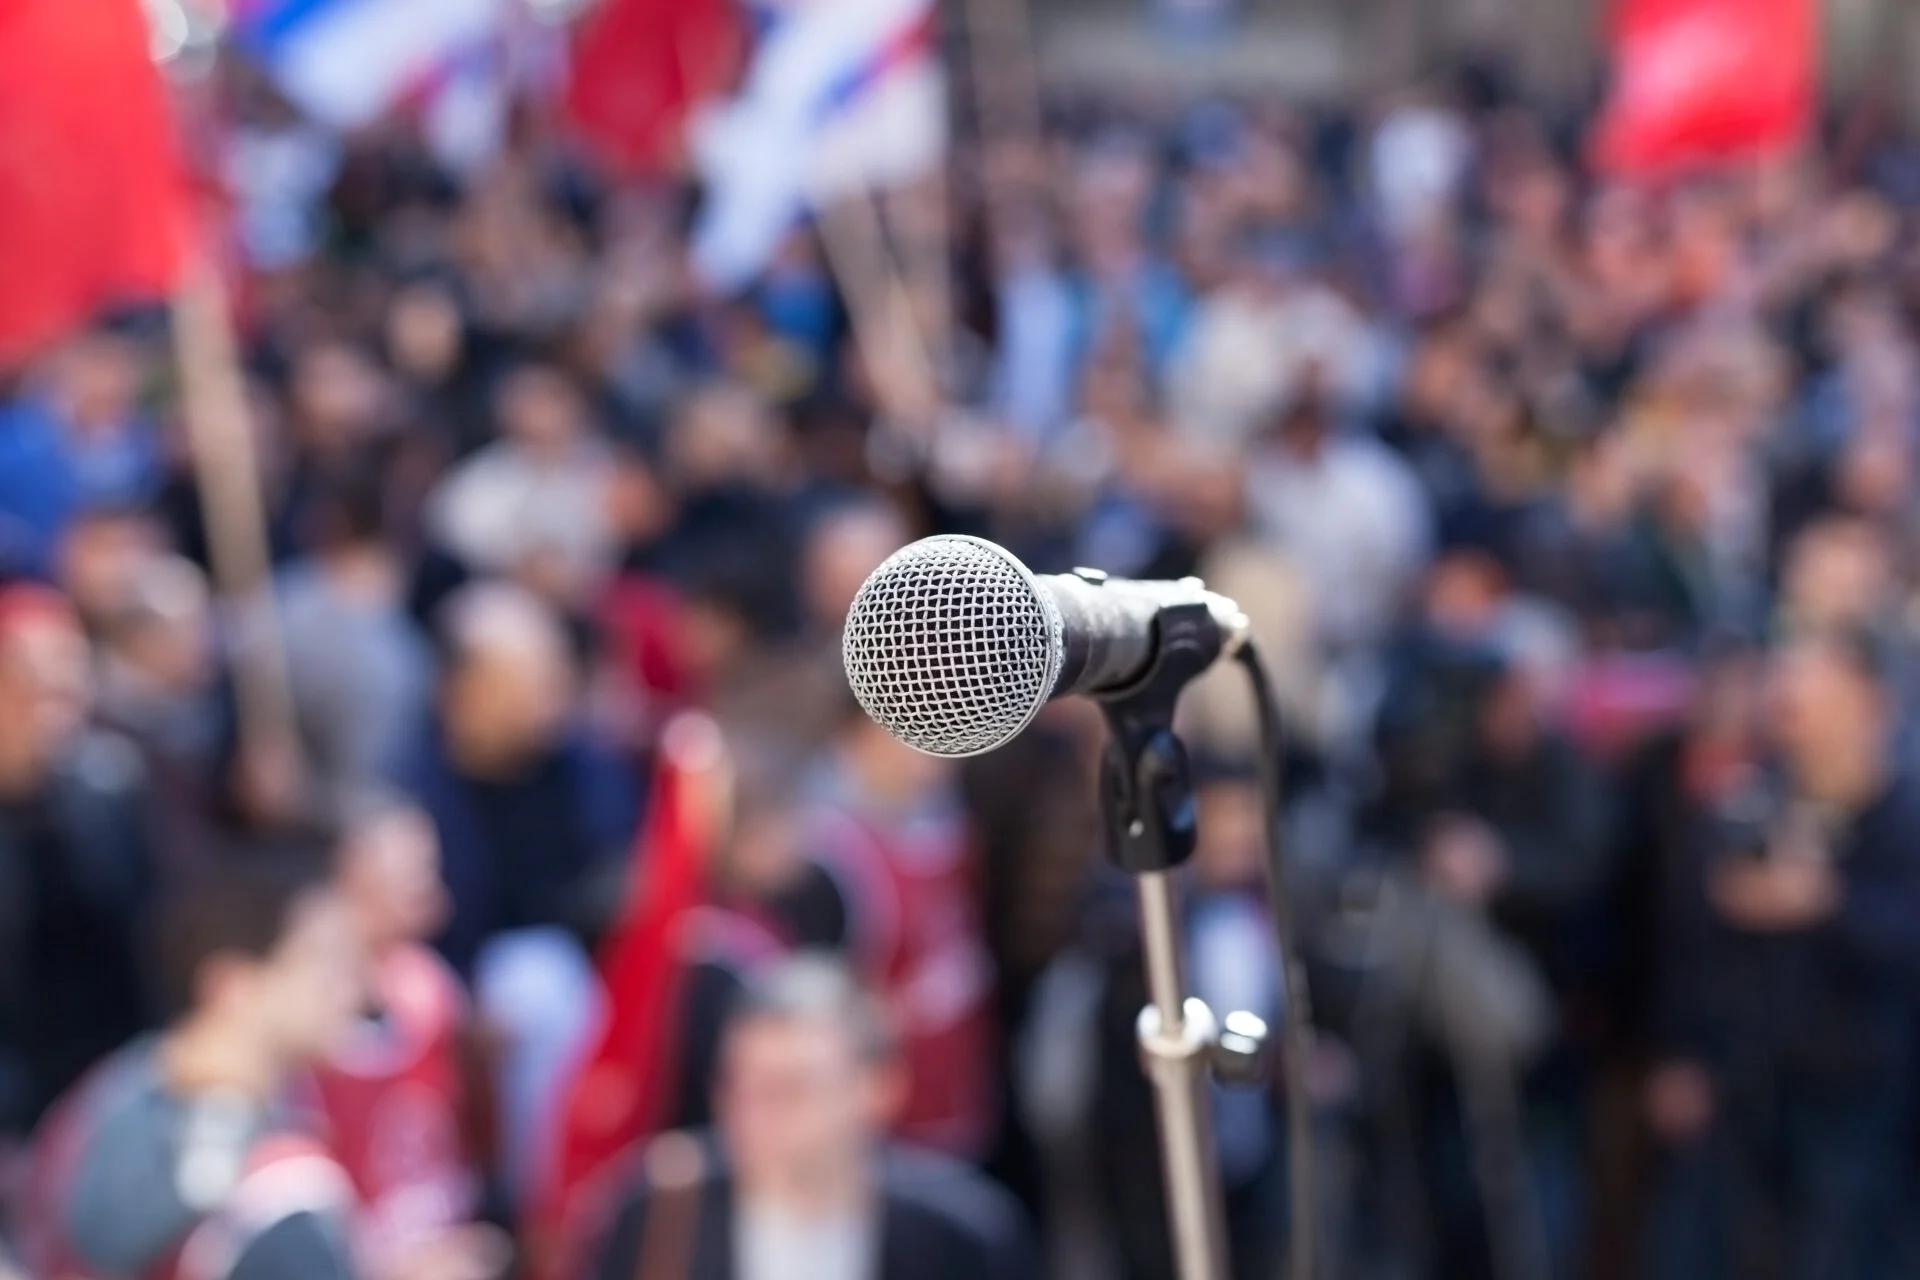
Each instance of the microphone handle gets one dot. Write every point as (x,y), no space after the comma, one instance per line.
(1107,627)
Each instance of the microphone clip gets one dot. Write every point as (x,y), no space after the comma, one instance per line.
(1146,782)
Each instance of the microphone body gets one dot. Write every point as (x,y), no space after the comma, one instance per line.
(953,646)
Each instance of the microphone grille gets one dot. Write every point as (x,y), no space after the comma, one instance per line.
(951,646)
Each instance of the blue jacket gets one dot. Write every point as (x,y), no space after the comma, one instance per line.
(525,852)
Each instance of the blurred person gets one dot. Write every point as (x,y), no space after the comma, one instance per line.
(541,489)
(1257,341)
(1034,366)
(339,402)
(888,825)
(101,556)
(1270,587)
(1348,511)
(726,462)
(784,693)
(1418,160)
(76,864)
(532,813)
(1033,806)
(361,673)
(1503,831)
(1672,781)
(846,544)
(426,341)
(803,1183)
(1478,780)
(184,1154)
(160,686)
(1785,1090)
(76,439)
(396,1091)
(1121,288)
(724,437)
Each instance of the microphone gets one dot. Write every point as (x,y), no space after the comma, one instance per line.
(953,646)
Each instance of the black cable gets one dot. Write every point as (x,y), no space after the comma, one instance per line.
(1296,1039)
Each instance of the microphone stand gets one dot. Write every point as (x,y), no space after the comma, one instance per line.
(1147,803)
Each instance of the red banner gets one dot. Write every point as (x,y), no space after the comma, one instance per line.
(94,205)
(1700,82)
(626,1084)
(642,67)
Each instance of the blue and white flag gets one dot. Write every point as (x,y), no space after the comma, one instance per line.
(345,63)
(841,96)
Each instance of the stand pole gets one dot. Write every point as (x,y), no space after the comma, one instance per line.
(1146,794)
(1176,1042)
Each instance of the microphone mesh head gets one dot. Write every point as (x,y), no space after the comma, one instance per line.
(951,646)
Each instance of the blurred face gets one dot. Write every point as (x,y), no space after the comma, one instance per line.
(175,652)
(423,332)
(843,551)
(1827,718)
(540,411)
(796,1102)
(764,853)
(307,992)
(511,700)
(45,687)
(338,394)
(390,876)
(891,770)
(1837,574)
(98,379)
(1231,835)
(101,559)
(721,436)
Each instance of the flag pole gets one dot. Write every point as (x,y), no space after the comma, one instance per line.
(905,380)
(1007,100)
(227,475)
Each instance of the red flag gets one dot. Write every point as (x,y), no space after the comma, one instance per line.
(93,200)
(1704,81)
(640,69)
(629,1080)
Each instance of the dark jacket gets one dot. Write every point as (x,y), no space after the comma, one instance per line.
(1835,1001)
(526,851)
(75,875)
(938,1221)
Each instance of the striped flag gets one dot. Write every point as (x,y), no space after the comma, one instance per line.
(841,96)
(346,63)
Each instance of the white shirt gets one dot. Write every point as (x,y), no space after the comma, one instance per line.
(773,1243)
(501,505)
(1357,522)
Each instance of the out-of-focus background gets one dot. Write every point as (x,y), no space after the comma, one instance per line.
(462,425)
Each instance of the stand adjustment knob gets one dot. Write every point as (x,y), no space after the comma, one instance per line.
(1240,1049)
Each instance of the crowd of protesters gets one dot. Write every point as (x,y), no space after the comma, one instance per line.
(1575,518)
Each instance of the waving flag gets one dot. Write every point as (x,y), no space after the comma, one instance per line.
(628,1081)
(1705,81)
(641,68)
(841,96)
(94,203)
(348,62)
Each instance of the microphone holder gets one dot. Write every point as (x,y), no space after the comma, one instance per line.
(1147,803)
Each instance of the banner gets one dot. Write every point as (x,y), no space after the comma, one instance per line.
(629,1079)
(1700,82)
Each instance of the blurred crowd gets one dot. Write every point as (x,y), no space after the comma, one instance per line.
(1576,521)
